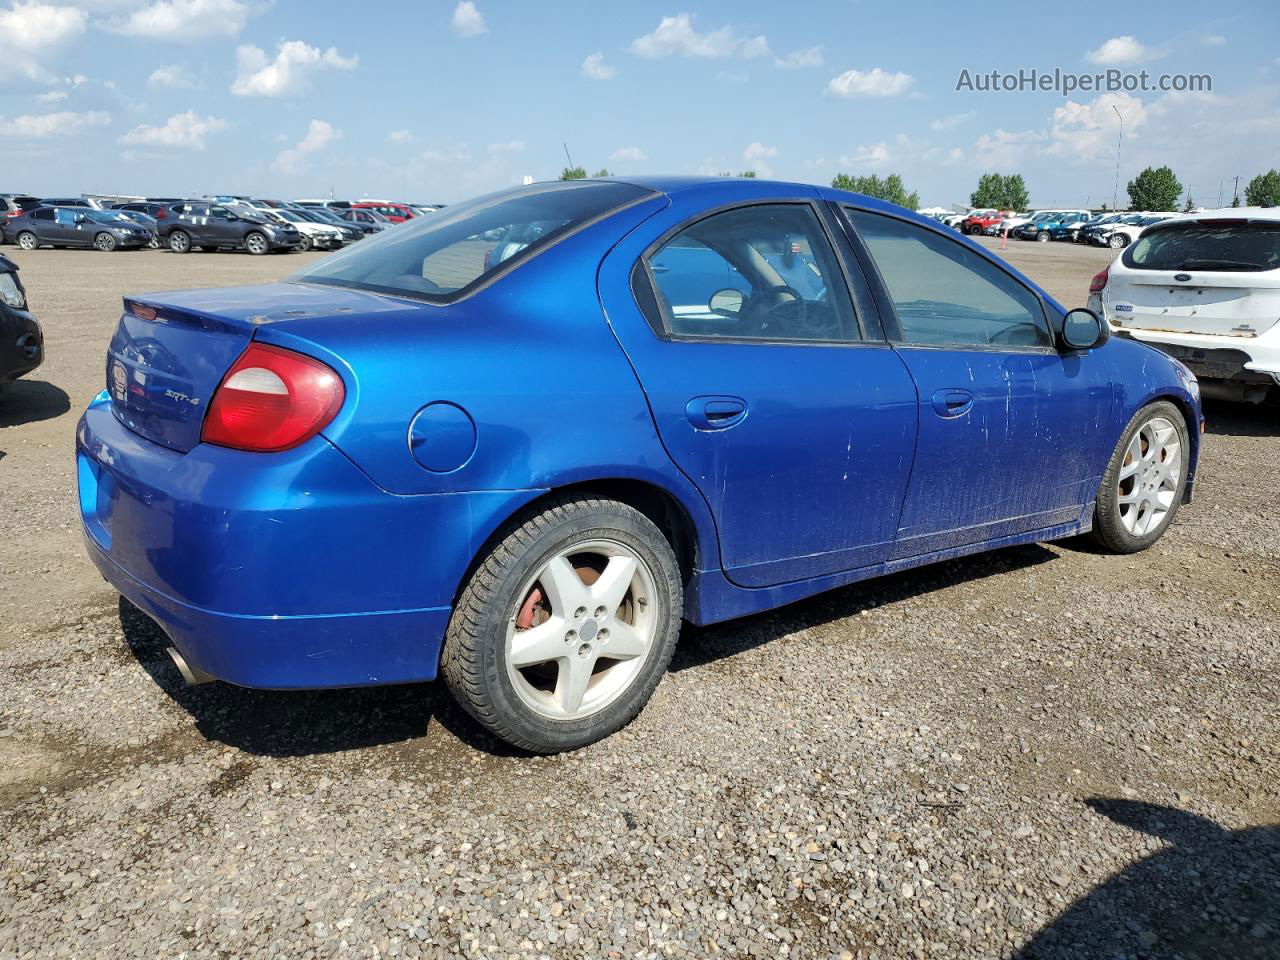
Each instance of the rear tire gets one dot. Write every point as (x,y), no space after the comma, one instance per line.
(180,241)
(1117,241)
(1144,481)
(28,240)
(581,564)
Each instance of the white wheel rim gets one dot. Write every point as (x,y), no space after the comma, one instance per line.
(1150,474)
(179,241)
(257,244)
(585,642)
(28,242)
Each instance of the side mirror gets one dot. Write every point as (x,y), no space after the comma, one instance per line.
(726,303)
(1082,329)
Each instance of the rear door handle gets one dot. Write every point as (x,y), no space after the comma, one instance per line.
(715,413)
(951,402)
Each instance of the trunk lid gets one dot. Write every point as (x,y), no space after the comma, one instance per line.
(170,351)
(1243,305)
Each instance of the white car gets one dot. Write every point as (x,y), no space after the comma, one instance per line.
(1126,230)
(315,236)
(1204,288)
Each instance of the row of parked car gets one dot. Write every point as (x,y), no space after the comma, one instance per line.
(250,224)
(1115,230)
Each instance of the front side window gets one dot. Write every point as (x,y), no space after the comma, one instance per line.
(946,294)
(1231,246)
(64,217)
(437,258)
(762,272)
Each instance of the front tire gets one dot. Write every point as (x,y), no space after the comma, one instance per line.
(1043,236)
(104,242)
(1144,480)
(256,243)
(564,630)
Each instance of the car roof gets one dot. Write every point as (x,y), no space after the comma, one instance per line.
(1254,214)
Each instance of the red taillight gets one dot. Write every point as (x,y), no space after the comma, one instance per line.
(272,399)
(1099,280)
(161,213)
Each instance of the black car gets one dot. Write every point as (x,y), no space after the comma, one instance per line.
(21,342)
(195,224)
(75,227)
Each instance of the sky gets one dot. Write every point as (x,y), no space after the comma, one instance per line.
(438,100)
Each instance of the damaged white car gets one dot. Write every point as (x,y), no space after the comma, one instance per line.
(1204,288)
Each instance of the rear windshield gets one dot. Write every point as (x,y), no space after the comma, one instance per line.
(1231,247)
(439,257)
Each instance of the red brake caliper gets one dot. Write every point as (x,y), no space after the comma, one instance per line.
(524,619)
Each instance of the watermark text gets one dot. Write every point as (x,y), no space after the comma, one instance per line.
(1027,80)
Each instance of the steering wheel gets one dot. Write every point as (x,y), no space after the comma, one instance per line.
(763,314)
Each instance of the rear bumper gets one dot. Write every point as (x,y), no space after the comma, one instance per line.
(1210,357)
(289,570)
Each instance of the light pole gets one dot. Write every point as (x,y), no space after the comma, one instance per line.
(1115,196)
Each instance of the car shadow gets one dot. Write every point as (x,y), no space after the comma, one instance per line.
(1226,419)
(702,645)
(296,723)
(30,401)
(1210,894)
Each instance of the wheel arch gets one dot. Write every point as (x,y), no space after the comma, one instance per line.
(687,527)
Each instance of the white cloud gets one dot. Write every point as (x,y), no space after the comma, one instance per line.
(872,83)
(757,155)
(1004,148)
(400,136)
(182,131)
(510,146)
(61,124)
(467,20)
(53,96)
(875,155)
(31,31)
(192,21)
(595,67)
(628,155)
(1087,131)
(170,77)
(288,73)
(1118,50)
(953,121)
(675,36)
(1214,40)
(799,59)
(297,159)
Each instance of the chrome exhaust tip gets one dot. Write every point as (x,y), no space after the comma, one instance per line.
(190,674)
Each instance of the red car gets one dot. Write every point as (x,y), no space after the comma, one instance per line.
(395,212)
(979,220)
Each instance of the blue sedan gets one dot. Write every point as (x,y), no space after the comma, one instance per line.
(517,442)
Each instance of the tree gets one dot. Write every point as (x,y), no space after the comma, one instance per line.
(602,172)
(890,188)
(1154,189)
(1264,190)
(1001,191)
(748,174)
(573,173)
(1190,203)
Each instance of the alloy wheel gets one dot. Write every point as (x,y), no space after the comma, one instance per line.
(105,242)
(1149,476)
(256,243)
(583,628)
(28,241)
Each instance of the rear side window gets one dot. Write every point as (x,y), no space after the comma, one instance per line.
(946,294)
(442,257)
(1227,246)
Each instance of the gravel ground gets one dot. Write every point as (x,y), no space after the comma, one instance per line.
(1042,752)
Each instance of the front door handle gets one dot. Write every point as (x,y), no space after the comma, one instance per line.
(951,402)
(715,413)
